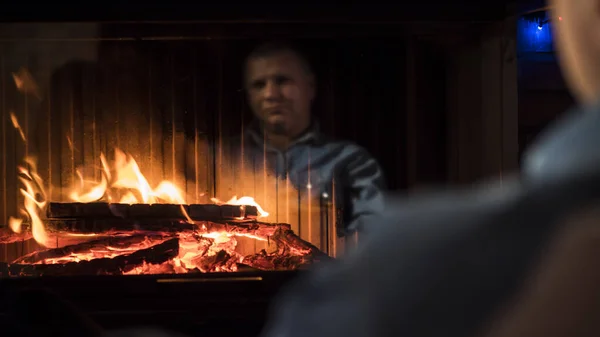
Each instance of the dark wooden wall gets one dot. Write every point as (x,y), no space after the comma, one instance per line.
(543,95)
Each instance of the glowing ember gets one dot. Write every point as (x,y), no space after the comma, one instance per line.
(210,247)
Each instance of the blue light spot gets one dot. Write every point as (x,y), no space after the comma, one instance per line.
(534,36)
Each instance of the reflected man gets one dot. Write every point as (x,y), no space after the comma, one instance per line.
(285,138)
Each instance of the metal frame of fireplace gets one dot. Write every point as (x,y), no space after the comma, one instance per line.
(225,305)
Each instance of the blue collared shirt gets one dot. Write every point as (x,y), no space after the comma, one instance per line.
(325,167)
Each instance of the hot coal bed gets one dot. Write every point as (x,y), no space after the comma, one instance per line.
(181,267)
(120,239)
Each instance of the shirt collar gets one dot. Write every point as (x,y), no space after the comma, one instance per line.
(312,135)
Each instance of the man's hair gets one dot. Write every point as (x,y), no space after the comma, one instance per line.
(271,48)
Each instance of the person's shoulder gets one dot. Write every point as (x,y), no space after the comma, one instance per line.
(346,146)
(419,245)
(447,209)
(467,248)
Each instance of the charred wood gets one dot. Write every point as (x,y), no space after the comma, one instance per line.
(212,245)
(116,241)
(256,229)
(102,225)
(265,261)
(292,253)
(289,243)
(156,254)
(155,211)
(222,261)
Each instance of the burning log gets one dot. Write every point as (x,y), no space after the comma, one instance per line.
(8,236)
(222,261)
(291,244)
(198,212)
(118,243)
(281,234)
(155,254)
(265,261)
(103,225)
(252,229)
(292,252)
(175,247)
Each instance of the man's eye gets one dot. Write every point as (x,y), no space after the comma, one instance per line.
(281,80)
(258,85)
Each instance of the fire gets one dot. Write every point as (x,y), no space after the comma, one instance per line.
(34,202)
(124,176)
(174,246)
(248,201)
(121,182)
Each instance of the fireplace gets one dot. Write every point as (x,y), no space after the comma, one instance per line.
(120,225)
(119,191)
(120,139)
(129,254)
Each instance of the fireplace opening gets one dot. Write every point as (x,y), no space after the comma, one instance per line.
(118,159)
(120,225)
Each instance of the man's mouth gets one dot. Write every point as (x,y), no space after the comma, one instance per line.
(275,111)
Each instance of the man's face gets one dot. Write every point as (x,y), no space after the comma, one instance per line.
(577,27)
(280,92)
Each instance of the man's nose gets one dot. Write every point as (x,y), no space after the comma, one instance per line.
(272,90)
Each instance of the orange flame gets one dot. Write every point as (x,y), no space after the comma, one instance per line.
(34,202)
(123,183)
(125,175)
(248,201)
(17,126)
(25,83)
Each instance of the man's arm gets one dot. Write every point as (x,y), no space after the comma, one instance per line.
(365,186)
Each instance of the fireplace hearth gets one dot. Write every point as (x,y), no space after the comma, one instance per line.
(211,304)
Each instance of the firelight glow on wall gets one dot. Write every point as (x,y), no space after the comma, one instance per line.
(534,34)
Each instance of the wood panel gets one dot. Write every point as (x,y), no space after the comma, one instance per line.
(540,73)
(538,108)
(483,106)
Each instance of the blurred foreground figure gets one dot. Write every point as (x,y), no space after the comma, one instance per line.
(520,259)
